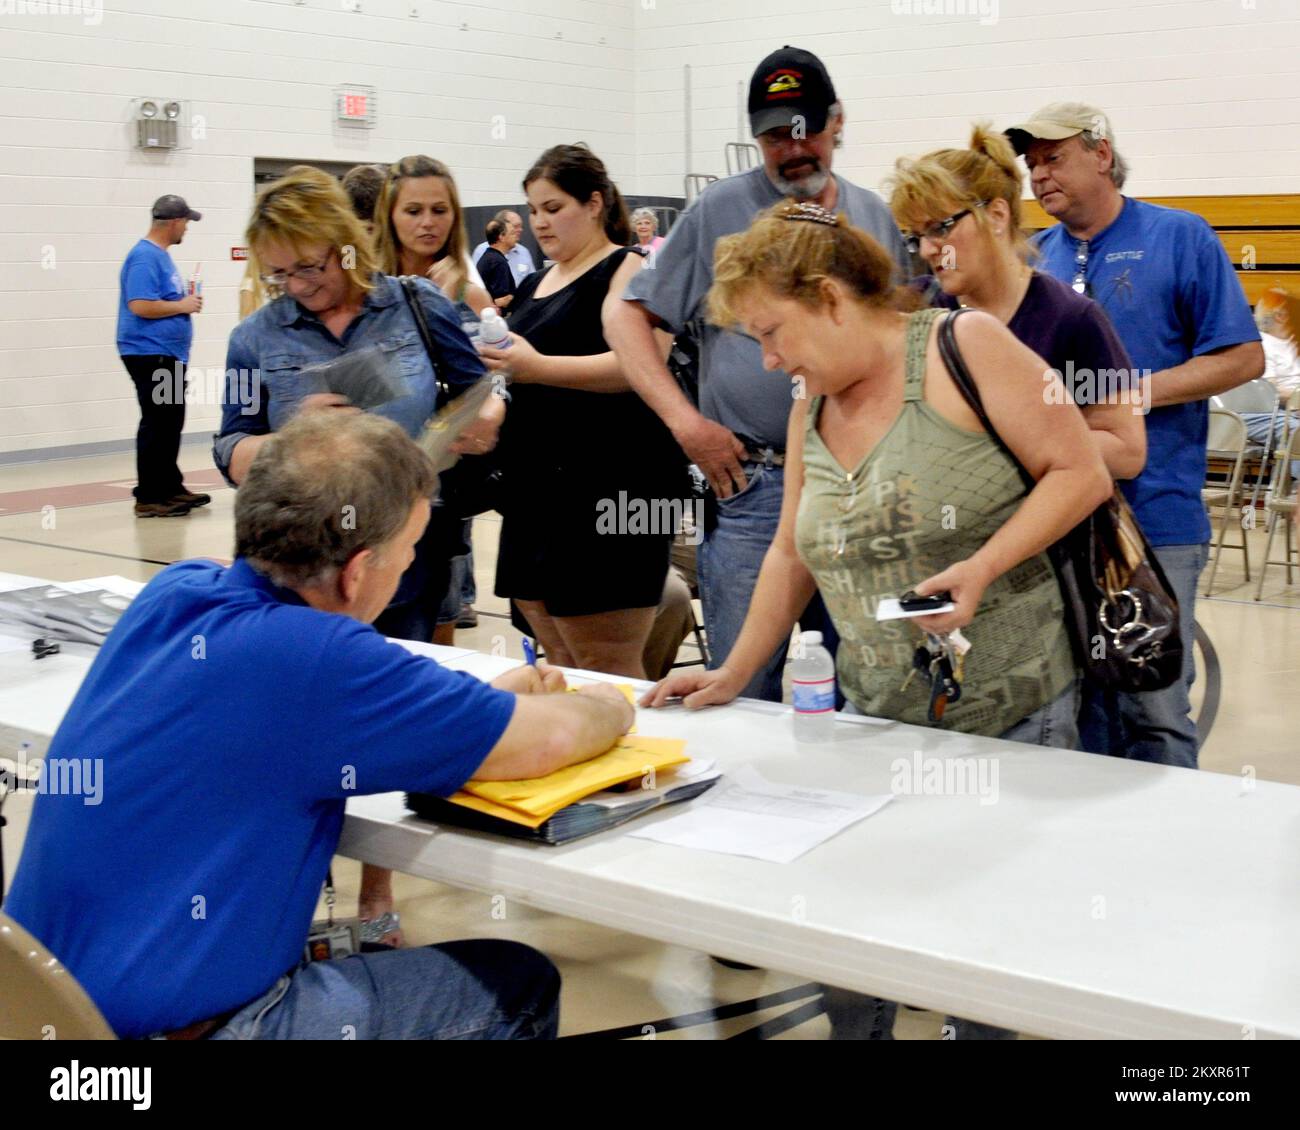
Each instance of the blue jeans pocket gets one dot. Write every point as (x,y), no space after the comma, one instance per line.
(734,502)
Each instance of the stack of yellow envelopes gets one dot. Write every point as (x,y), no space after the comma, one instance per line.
(532,802)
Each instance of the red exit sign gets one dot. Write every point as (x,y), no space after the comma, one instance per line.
(354,106)
(239,254)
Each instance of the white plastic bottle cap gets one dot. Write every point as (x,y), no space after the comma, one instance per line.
(812,639)
(488,313)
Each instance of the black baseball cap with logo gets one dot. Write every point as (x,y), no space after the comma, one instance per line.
(789,84)
(172,207)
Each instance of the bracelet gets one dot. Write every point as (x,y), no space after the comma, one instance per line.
(380,927)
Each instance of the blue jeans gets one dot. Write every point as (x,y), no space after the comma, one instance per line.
(461,568)
(1156,725)
(856,1016)
(469,590)
(473,990)
(729,559)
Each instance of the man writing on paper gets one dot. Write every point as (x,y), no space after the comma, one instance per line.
(235,710)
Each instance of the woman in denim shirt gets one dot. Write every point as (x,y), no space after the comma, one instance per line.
(330,299)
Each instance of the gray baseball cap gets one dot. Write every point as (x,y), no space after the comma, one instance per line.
(172,207)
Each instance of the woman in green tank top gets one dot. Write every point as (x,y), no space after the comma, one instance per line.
(892,484)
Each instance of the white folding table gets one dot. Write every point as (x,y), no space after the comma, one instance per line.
(1094,897)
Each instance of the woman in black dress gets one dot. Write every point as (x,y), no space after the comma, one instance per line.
(594,481)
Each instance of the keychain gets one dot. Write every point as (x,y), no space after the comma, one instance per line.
(942,659)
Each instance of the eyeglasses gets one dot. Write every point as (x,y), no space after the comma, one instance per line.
(309,273)
(1080,283)
(937,230)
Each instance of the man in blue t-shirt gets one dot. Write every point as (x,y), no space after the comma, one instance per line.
(1168,287)
(227,719)
(153,339)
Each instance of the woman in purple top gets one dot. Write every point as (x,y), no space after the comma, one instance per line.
(960,210)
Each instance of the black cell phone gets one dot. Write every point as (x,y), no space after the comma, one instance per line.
(910,602)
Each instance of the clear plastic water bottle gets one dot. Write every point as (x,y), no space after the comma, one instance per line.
(492,330)
(813,679)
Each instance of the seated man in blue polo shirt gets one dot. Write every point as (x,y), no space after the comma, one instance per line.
(234,711)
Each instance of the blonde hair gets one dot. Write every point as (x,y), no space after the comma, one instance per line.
(790,249)
(948,180)
(304,208)
(387,245)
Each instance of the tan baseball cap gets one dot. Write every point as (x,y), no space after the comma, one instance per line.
(1057,122)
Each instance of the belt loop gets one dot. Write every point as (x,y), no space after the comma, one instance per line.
(767,458)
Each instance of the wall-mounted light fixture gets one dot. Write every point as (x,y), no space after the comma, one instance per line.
(157,123)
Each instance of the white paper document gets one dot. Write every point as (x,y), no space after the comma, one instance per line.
(13,643)
(121,586)
(749,815)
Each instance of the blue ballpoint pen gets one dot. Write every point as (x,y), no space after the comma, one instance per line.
(530,653)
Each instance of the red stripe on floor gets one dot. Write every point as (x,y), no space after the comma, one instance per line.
(95,494)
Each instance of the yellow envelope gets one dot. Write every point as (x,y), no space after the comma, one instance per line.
(540,797)
(500,811)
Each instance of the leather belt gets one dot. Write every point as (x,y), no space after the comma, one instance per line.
(200,1029)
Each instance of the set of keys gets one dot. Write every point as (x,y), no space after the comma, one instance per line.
(942,660)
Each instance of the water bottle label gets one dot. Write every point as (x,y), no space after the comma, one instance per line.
(814,698)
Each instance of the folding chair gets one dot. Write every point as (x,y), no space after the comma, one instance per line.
(684,561)
(41,999)
(1280,505)
(740,155)
(1227,440)
(695,183)
(1256,397)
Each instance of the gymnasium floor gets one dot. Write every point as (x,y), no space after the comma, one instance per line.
(71,519)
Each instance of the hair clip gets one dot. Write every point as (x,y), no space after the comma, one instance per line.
(812,212)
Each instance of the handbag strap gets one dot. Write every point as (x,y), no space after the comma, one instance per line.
(412,295)
(960,373)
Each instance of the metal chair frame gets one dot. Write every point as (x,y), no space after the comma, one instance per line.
(1281,505)
(1227,438)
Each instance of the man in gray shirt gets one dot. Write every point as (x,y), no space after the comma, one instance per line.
(737,435)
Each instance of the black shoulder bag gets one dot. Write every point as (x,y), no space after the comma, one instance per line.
(475,484)
(1119,605)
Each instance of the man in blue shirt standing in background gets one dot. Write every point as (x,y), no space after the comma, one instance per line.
(1168,287)
(153,339)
